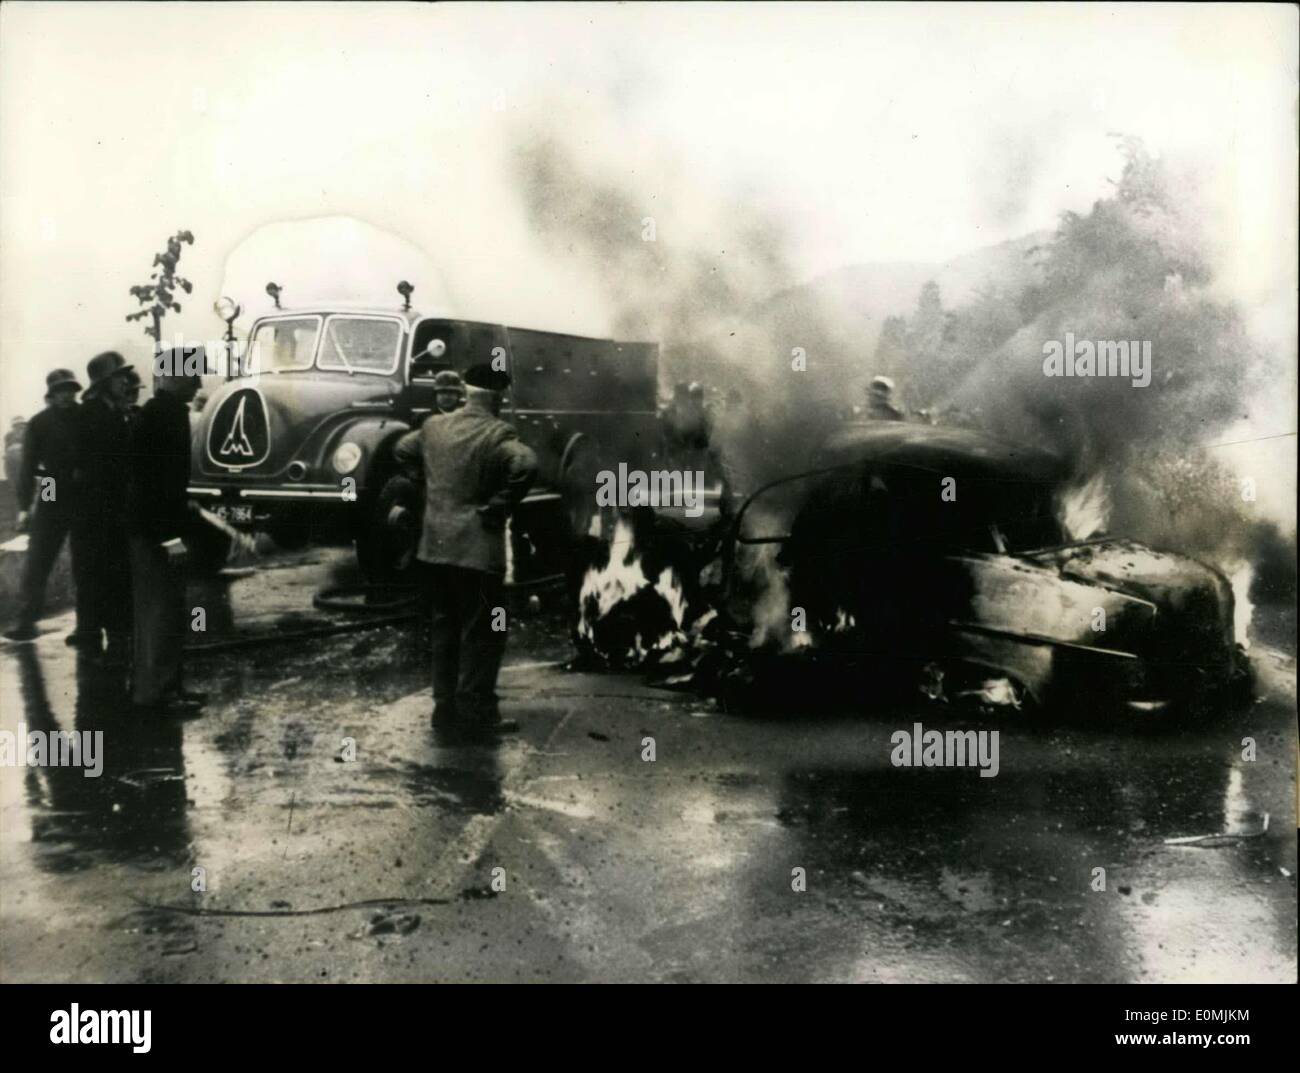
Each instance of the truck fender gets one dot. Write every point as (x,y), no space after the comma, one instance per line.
(376,436)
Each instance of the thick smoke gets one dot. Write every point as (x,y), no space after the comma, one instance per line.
(1137,267)
(702,294)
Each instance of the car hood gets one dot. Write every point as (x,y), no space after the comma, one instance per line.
(1194,601)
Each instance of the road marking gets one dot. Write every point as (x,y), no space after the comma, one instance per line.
(565,808)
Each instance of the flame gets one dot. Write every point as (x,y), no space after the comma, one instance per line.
(612,583)
(605,588)
(844,621)
(671,590)
(772,599)
(995,693)
(797,639)
(1240,576)
(1084,509)
(774,619)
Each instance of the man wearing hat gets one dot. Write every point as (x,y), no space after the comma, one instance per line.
(46,497)
(160,519)
(880,404)
(475,471)
(103,443)
(448,391)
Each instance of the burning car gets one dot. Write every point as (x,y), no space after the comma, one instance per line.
(945,556)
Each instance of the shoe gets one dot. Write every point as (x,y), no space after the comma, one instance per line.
(444,715)
(22,633)
(170,708)
(81,640)
(449,733)
(489,732)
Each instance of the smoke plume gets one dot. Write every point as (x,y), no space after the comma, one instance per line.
(1138,267)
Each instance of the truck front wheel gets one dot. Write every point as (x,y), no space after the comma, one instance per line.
(390,531)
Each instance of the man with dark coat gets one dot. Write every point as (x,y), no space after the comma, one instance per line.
(475,471)
(160,519)
(103,572)
(45,495)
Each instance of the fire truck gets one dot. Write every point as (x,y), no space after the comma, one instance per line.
(298,441)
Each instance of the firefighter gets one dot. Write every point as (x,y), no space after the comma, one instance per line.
(448,391)
(475,471)
(160,519)
(880,405)
(103,573)
(45,496)
(698,423)
(687,425)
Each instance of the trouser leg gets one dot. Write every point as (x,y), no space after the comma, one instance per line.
(117,592)
(81,556)
(101,562)
(86,572)
(159,622)
(482,600)
(92,565)
(49,527)
(444,631)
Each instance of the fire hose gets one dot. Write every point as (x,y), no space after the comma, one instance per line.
(382,603)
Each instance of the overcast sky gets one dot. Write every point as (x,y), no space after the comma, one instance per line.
(874,133)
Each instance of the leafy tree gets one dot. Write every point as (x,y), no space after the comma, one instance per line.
(158,297)
(891,346)
(926,327)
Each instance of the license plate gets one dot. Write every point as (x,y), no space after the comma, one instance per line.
(235,515)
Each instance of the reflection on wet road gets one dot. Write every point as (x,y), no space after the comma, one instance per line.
(330,836)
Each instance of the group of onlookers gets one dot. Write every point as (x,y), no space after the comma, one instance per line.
(109,477)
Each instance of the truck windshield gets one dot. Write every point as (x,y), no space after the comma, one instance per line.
(280,346)
(360,345)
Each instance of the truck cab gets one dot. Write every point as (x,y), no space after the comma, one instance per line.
(298,441)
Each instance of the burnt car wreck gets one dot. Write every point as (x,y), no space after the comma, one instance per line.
(917,559)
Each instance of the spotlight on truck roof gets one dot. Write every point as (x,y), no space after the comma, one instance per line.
(405,289)
(226,308)
(274,290)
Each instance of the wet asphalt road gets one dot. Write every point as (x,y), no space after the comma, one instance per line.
(615,868)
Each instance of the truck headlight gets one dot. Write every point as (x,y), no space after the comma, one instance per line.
(347,458)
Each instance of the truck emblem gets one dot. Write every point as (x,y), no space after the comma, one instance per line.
(239,434)
(240,446)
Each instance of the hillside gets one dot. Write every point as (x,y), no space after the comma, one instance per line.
(853,302)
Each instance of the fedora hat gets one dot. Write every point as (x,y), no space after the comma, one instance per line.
(102,368)
(60,378)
